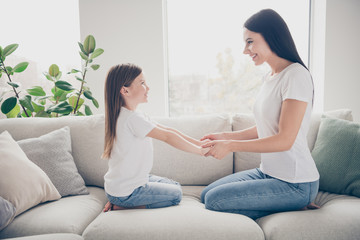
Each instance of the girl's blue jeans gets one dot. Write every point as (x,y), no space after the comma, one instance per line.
(157,193)
(255,194)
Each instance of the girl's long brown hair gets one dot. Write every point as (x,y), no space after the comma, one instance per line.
(119,76)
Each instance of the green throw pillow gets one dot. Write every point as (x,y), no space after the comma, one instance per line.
(337,156)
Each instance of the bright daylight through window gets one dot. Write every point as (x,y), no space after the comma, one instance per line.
(208,73)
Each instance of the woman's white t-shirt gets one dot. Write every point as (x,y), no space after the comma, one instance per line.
(295,165)
(131,158)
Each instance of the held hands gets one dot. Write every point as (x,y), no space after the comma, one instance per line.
(218,148)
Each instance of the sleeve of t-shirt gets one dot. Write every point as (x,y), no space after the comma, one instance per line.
(140,125)
(297,85)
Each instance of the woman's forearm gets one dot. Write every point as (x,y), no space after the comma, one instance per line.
(246,134)
(276,143)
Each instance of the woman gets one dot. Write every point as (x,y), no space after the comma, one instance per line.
(287,179)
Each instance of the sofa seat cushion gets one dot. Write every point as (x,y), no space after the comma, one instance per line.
(188,220)
(54,236)
(338,218)
(66,215)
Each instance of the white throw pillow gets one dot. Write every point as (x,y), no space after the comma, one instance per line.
(22,183)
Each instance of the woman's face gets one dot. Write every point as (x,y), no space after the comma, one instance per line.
(256,47)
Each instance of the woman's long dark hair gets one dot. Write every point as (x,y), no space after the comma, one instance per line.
(276,33)
(119,76)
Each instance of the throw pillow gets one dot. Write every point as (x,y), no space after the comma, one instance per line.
(22,182)
(53,154)
(336,154)
(7,213)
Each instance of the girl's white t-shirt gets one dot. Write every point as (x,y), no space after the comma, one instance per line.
(295,165)
(131,158)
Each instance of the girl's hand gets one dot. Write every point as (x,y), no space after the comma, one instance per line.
(213,136)
(218,148)
(204,151)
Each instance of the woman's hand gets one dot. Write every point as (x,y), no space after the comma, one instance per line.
(218,148)
(213,136)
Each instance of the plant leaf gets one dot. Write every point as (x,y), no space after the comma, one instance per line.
(62,108)
(8,105)
(73,99)
(36,91)
(64,85)
(97,53)
(88,111)
(88,94)
(95,66)
(54,70)
(14,112)
(82,48)
(42,114)
(95,102)
(74,71)
(20,67)
(37,107)
(26,102)
(83,56)
(13,84)
(79,79)
(10,49)
(89,44)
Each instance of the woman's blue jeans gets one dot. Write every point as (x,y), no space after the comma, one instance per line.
(255,194)
(157,193)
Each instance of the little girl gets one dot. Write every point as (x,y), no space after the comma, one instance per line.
(128,145)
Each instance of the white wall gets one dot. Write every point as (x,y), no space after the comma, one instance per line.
(128,31)
(133,31)
(342,51)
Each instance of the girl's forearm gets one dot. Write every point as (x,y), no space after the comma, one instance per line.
(178,141)
(186,137)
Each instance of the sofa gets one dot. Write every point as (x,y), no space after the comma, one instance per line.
(80,216)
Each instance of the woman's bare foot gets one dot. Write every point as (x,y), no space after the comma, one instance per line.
(109,207)
(311,206)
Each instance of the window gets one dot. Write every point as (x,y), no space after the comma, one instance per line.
(208,73)
(47,32)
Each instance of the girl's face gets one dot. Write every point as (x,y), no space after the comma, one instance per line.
(256,47)
(138,90)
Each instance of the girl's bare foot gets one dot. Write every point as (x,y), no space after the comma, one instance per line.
(109,207)
(311,206)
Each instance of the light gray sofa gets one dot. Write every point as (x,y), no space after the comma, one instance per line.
(81,217)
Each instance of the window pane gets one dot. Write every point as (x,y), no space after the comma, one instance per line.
(208,73)
(48,33)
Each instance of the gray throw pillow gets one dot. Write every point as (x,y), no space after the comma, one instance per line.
(52,152)
(7,213)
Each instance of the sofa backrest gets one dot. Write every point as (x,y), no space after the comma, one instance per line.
(87,140)
(87,136)
(186,168)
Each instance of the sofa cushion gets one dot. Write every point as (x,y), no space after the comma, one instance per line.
(22,182)
(338,218)
(52,153)
(67,215)
(7,212)
(188,220)
(87,140)
(54,236)
(244,160)
(336,154)
(187,168)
